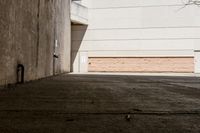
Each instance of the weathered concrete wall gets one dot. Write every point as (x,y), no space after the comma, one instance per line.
(28,30)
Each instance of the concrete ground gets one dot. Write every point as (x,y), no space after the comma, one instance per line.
(102,104)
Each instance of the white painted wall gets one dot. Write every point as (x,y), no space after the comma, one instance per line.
(138,28)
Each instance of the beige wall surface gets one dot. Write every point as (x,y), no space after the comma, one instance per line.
(121,28)
(29,30)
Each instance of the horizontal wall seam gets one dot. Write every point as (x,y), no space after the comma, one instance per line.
(189,50)
(139,39)
(147,6)
(129,28)
(157,56)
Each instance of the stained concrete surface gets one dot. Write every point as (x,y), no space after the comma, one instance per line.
(102,104)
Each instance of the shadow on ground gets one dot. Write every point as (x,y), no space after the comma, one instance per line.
(102,104)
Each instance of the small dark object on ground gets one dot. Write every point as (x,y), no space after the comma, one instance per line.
(128,117)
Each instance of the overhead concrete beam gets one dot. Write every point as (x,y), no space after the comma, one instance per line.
(79,13)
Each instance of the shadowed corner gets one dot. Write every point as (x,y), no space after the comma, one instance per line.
(78,33)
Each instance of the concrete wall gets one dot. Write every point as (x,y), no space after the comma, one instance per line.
(29,30)
(132,28)
(79,13)
(86,3)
